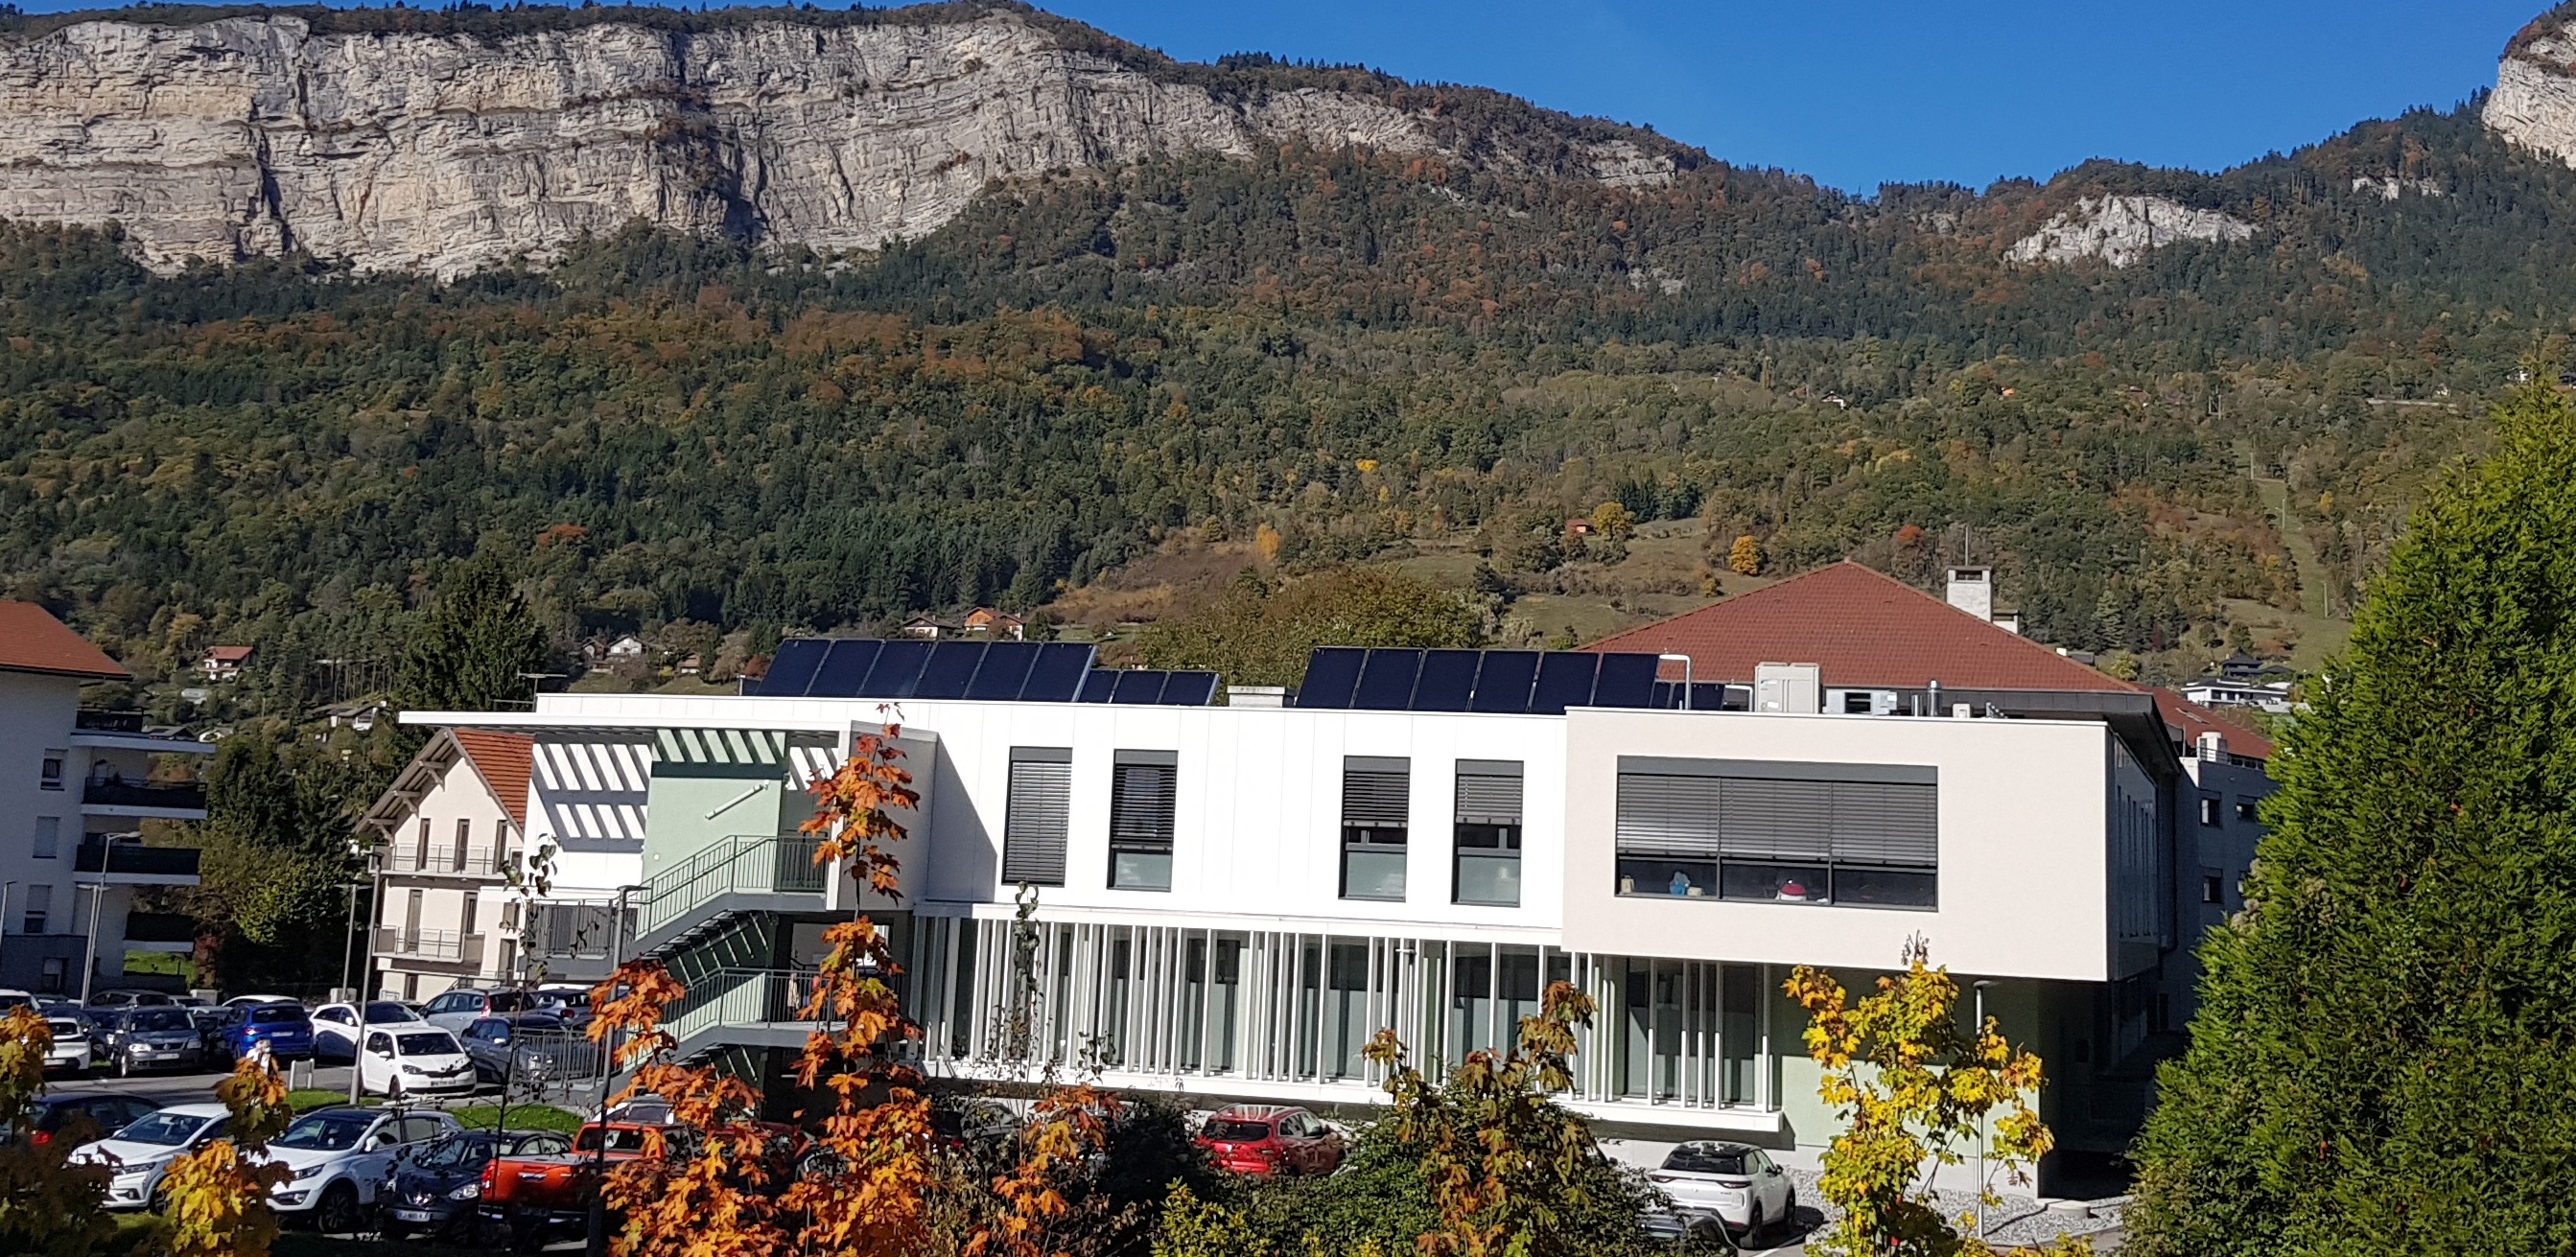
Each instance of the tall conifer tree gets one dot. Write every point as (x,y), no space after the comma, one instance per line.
(473,647)
(2385,1055)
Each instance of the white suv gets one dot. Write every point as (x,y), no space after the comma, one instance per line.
(137,1156)
(341,1155)
(1734,1186)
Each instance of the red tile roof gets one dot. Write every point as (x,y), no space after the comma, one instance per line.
(1862,629)
(230,654)
(2189,720)
(32,640)
(502,759)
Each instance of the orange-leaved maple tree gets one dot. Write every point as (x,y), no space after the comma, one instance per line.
(48,1206)
(217,1196)
(1045,1210)
(736,1186)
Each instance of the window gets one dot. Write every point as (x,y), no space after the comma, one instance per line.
(1376,803)
(1488,836)
(466,927)
(1142,795)
(1861,835)
(2213,886)
(420,854)
(464,836)
(1033,833)
(50,978)
(2246,809)
(40,901)
(49,833)
(50,775)
(2209,806)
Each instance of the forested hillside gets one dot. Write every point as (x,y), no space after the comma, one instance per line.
(1321,357)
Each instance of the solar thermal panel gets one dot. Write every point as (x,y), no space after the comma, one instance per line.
(1625,681)
(1447,681)
(1005,671)
(1386,680)
(1332,675)
(1139,686)
(1503,680)
(791,669)
(951,666)
(1057,674)
(1097,685)
(1190,689)
(845,670)
(1564,680)
(897,670)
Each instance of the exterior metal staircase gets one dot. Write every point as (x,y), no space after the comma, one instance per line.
(711,919)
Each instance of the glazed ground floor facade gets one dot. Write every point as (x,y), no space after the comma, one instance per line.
(1281,1011)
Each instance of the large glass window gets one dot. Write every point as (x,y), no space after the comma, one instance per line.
(1142,799)
(1346,1022)
(1376,803)
(1488,836)
(1861,835)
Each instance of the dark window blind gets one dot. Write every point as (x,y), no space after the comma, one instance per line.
(1040,808)
(1141,803)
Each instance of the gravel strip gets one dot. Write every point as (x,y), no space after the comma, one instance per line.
(2018,1220)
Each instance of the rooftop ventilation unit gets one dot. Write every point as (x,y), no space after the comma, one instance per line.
(1788,687)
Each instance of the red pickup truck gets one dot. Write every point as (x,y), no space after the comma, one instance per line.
(533,1199)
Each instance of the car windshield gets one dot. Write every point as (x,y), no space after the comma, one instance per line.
(275,1015)
(508,1001)
(1706,1160)
(160,1019)
(426,1043)
(457,1152)
(166,1130)
(327,1132)
(64,1025)
(386,1012)
(620,1139)
(1236,1130)
(14,1000)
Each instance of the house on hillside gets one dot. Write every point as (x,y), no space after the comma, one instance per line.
(987,622)
(225,663)
(926,628)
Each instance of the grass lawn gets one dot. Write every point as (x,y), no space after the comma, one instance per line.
(522,1117)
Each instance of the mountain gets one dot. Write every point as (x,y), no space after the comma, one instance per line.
(449,142)
(707,331)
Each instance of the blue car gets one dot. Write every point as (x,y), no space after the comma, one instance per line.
(286,1028)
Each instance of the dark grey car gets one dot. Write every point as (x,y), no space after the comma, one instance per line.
(151,1038)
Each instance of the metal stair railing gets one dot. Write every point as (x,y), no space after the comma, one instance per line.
(739,997)
(780,864)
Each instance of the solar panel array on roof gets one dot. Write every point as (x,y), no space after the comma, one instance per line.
(1027,672)
(1132,686)
(1494,681)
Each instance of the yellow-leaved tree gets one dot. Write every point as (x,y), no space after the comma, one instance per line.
(1913,1089)
(217,1196)
(48,1207)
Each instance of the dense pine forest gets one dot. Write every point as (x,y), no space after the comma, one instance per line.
(1323,358)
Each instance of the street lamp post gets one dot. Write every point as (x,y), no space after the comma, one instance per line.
(5,888)
(366,968)
(1980,986)
(89,950)
(607,1074)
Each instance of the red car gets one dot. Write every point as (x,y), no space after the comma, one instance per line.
(1271,1139)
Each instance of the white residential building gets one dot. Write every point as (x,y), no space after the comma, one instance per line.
(75,787)
(1230,900)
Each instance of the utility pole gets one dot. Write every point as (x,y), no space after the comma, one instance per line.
(366,970)
(1980,986)
(608,1074)
(89,952)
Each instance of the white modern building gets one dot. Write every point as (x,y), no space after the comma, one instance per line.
(76,786)
(1229,900)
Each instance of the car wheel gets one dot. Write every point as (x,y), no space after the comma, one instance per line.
(337,1213)
(158,1201)
(125,1065)
(1753,1226)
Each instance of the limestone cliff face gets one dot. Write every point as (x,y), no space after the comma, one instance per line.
(2534,102)
(448,153)
(2121,230)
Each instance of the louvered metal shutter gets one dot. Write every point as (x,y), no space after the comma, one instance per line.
(1668,816)
(1488,800)
(1376,798)
(1034,830)
(1141,802)
(1778,820)
(1885,823)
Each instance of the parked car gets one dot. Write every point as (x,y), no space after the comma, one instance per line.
(129,998)
(414,1059)
(81,1118)
(454,1010)
(138,1153)
(1270,1139)
(438,1191)
(519,1046)
(11,997)
(1734,1186)
(965,1123)
(341,1155)
(71,1049)
(241,1000)
(335,1026)
(567,1000)
(285,1028)
(533,1199)
(148,1038)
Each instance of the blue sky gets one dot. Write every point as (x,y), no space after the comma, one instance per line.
(1859,92)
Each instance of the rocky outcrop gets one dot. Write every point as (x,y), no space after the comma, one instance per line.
(2534,101)
(259,135)
(2122,229)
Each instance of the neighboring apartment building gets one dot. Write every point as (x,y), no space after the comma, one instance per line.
(75,789)
(1230,900)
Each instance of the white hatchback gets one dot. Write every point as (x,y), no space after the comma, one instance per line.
(70,1048)
(1732,1185)
(140,1153)
(335,1026)
(414,1059)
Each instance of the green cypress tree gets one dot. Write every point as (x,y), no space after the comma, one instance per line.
(2385,1055)
(472,648)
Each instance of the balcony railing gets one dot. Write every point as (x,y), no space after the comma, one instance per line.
(178,797)
(108,721)
(470,860)
(750,864)
(738,997)
(113,858)
(441,946)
